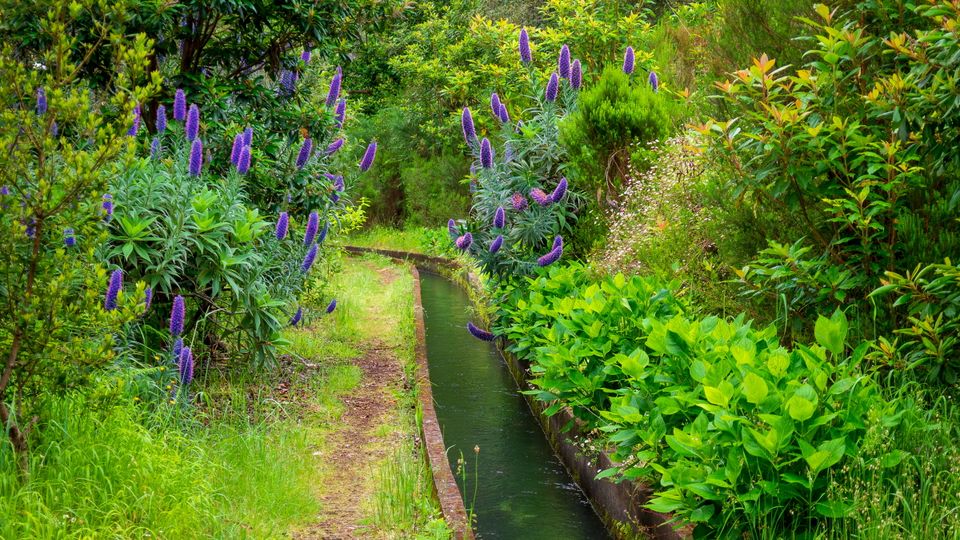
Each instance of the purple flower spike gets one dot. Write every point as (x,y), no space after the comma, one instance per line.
(296,317)
(305,56)
(499,218)
(313,223)
(243,164)
(554,254)
(308,259)
(486,154)
(192,127)
(41,102)
(132,132)
(576,75)
(559,191)
(552,86)
(113,289)
(288,83)
(54,129)
(235,151)
(519,202)
(177,314)
(628,61)
(185,366)
(161,118)
(563,63)
(155,147)
(368,157)
(147,298)
(331,306)
(177,347)
(540,197)
(5,190)
(180,106)
(504,115)
(68,239)
(525,55)
(306,148)
(340,112)
(333,147)
(452,228)
(324,230)
(334,91)
(466,121)
(196,157)
(108,206)
(478,333)
(283,225)
(248,137)
(495,104)
(496,244)
(463,242)
(654,81)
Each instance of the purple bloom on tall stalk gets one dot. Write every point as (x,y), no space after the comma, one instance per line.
(576,75)
(499,218)
(283,225)
(296,317)
(333,147)
(113,289)
(495,104)
(248,136)
(305,56)
(132,132)
(452,228)
(519,202)
(243,163)
(177,314)
(108,205)
(334,92)
(486,154)
(235,151)
(179,106)
(306,148)
(628,61)
(313,223)
(161,118)
(309,258)
(155,147)
(559,191)
(185,366)
(478,333)
(368,157)
(338,183)
(540,197)
(463,242)
(466,122)
(324,231)
(331,306)
(196,157)
(504,115)
(563,63)
(192,127)
(41,102)
(496,244)
(147,298)
(68,239)
(525,56)
(554,254)
(288,82)
(340,112)
(177,347)
(552,86)
(654,81)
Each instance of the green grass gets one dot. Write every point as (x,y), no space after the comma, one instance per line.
(430,241)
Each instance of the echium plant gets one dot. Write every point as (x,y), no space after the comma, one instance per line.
(522,204)
(60,308)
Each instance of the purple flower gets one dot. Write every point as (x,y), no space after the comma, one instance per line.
(179,105)
(333,147)
(185,366)
(305,56)
(552,86)
(306,148)
(559,191)
(466,122)
(576,75)
(288,82)
(525,55)
(177,314)
(41,102)
(628,61)
(336,179)
(495,245)
(504,115)
(495,104)
(161,118)
(463,242)
(540,197)
(192,127)
(108,206)
(334,92)
(177,347)
(296,317)
(113,289)
(554,254)
(5,190)
(563,63)
(68,239)
(452,228)
(313,223)
(654,81)
(340,112)
(323,231)
(248,137)
(309,258)
(235,151)
(196,157)
(499,218)
(519,202)
(243,163)
(283,225)
(54,128)
(368,156)
(132,132)
(331,306)
(486,154)
(155,147)
(147,298)
(478,333)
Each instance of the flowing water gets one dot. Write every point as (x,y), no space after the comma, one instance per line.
(522,490)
